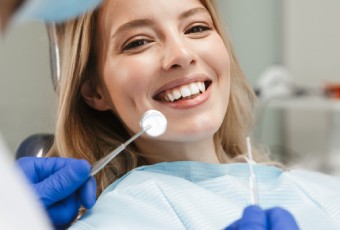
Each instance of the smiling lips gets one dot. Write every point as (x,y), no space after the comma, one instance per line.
(183,92)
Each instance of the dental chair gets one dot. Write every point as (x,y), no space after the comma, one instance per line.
(38,144)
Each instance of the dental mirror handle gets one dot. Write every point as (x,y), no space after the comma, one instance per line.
(254,196)
(100,164)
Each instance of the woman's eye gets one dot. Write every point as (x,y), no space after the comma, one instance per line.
(135,44)
(197,29)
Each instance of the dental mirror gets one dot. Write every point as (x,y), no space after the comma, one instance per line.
(156,120)
(153,123)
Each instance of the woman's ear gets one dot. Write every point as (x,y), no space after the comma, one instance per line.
(94,97)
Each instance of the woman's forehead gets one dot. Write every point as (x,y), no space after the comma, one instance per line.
(115,11)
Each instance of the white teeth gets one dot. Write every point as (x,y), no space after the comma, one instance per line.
(176,93)
(171,98)
(194,88)
(184,91)
(201,86)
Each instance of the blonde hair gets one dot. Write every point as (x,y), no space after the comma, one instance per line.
(82,132)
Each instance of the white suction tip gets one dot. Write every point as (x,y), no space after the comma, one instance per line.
(154,123)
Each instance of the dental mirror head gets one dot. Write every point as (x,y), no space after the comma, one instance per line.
(154,123)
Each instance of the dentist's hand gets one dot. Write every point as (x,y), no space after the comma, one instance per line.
(62,185)
(254,218)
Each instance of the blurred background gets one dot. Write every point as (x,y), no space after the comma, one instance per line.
(289,51)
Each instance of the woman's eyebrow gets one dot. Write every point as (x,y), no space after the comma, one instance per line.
(131,25)
(193,11)
(148,22)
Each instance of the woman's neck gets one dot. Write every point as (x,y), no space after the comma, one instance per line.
(159,151)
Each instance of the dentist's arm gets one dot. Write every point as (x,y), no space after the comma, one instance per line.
(62,185)
(254,218)
(7,9)
(43,10)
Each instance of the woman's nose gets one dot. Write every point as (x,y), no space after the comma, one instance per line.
(177,54)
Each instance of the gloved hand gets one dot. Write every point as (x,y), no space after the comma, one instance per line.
(254,218)
(62,185)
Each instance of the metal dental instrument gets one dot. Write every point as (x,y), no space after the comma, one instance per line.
(153,123)
(254,198)
(54,55)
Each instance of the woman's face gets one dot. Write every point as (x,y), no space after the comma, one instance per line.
(164,55)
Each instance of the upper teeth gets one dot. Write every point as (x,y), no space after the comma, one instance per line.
(184,91)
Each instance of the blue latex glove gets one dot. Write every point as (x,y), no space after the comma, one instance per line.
(62,185)
(254,218)
(54,10)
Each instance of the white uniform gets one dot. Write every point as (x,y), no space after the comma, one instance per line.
(19,208)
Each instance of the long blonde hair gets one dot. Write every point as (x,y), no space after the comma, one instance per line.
(82,132)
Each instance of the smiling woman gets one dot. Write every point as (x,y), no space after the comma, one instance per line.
(130,56)
(134,59)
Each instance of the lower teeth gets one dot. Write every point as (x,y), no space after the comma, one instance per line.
(189,97)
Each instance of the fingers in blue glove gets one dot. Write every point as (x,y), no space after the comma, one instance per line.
(64,212)
(57,178)
(37,169)
(253,218)
(64,182)
(87,193)
(280,218)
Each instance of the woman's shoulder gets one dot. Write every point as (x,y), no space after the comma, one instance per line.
(315,177)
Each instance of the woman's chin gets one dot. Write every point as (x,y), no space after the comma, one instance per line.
(190,134)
